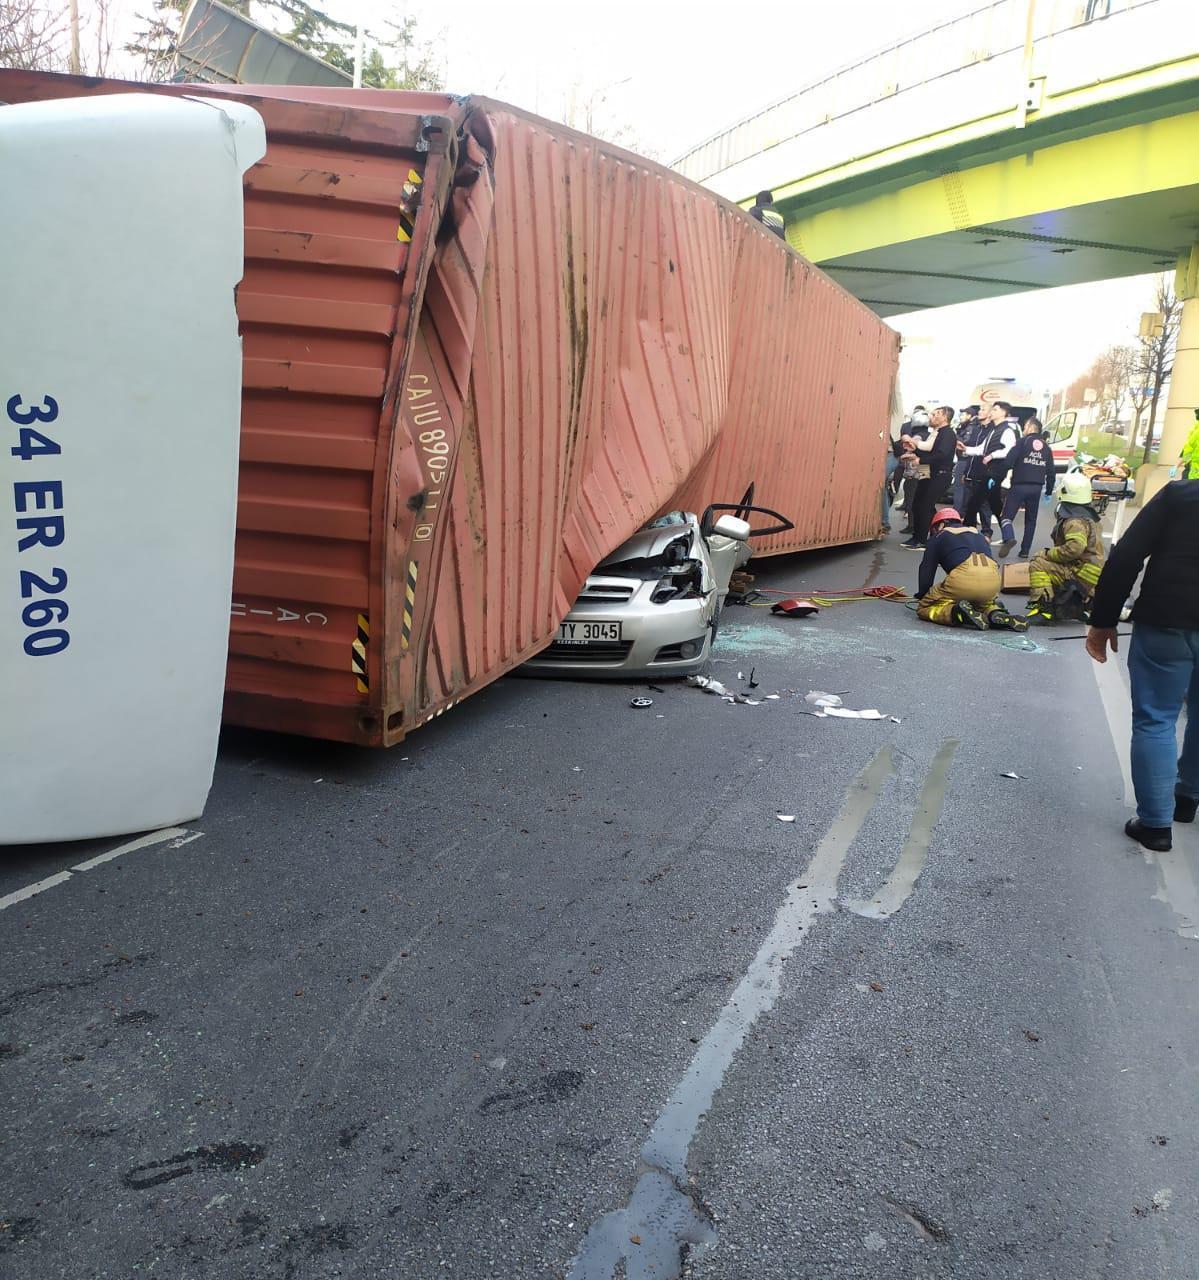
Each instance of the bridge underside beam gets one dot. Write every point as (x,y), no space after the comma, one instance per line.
(1115,204)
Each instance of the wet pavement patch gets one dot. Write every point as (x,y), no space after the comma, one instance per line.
(135,1018)
(17,1231)
(26,997)
(224,1157)
(555,1087)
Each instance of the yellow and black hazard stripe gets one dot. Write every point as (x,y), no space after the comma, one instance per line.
(358,660)
(408,206)
(409,603)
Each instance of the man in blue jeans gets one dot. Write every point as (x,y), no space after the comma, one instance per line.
(1163,658)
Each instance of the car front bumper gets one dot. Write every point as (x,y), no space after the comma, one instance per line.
(651,636)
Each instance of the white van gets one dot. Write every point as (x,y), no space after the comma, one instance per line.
(1064,433)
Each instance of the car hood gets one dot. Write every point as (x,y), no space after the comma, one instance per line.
(647,544)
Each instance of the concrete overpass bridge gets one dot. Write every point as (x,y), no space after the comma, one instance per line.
(1023,145)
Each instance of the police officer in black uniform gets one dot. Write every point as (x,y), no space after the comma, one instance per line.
(987,465)
(1031,465)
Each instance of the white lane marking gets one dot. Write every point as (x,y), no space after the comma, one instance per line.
(1117,709)
(660,1216)
(1178,890)
(179,836)
(897,888)
(21,895)
(142,842)
(1177,887)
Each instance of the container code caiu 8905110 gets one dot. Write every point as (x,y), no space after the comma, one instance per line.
(38,504)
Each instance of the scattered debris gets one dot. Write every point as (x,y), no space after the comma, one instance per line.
(708,685)
(655,688)
(795,608)
(896,720)
(641,702)
(773,697)
(829,704)
(876,986)
(820,699)
(1016,777)
(1032,1035)
(753,684)
(785,817)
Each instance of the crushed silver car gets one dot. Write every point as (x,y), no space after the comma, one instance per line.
(652,607)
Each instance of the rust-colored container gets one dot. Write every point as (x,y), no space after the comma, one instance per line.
(480,351)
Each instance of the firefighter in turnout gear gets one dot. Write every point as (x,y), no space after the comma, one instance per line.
(1073,564)
(965,597)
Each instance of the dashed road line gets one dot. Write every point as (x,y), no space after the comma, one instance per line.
(178,836)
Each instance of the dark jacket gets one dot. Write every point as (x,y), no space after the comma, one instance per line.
(1031,461)
(1167,529)
(940,457)
(948,549)
(991,440)
(770,218)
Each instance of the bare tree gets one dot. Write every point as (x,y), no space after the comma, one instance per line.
(590,111)
(1114,372)
(1155,359)
(34,36)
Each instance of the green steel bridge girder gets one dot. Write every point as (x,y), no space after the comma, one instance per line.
(1110,189)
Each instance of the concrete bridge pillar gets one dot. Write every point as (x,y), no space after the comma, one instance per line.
(1184,382)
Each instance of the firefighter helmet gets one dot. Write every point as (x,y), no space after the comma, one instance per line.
(946,514)
(1076,488)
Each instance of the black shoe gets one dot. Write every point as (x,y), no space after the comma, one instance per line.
(1024,555)
(1156,838)
(907,529)
(913,545)
(1001,620)
(1184,808)
(1005,548)
(969,615)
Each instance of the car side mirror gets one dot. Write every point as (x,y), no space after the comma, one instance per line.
(731,527)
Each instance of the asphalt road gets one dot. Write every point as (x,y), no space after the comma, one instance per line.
(551,989)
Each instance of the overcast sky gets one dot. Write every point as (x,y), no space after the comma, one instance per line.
(671,74)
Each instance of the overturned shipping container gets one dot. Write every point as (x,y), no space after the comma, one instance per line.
(480,350)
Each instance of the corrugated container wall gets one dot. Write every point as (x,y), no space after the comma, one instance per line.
(480,351)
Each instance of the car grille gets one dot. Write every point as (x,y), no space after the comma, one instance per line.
(597,653)
(608,593)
